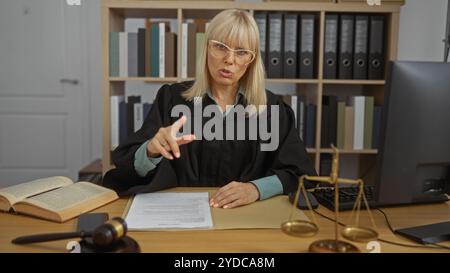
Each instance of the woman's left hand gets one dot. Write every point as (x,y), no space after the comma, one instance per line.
(234,194)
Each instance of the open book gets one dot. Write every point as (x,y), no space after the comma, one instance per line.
(55,198)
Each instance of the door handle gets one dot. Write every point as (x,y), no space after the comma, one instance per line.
(71,81)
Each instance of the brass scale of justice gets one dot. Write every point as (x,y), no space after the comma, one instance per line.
(354,232)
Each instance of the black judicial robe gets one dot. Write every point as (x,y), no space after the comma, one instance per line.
(211,163)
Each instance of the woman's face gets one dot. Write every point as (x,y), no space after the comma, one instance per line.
(225,66)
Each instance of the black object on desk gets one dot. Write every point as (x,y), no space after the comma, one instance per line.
(108,237)
(347,197)
(427,234)
(88,222)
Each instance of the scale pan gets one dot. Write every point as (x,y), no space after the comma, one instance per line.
(299,228)
(359,234)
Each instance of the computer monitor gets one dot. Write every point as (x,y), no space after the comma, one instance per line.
(414,156)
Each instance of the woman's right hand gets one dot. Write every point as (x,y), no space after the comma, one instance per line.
(166,143)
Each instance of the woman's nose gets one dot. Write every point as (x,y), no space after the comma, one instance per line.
(229,58)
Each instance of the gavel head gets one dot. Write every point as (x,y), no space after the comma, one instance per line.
(109,232)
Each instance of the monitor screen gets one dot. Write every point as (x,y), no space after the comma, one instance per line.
(414,156)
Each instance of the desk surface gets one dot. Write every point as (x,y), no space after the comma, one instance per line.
(256,240)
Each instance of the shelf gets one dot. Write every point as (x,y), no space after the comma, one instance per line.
(115,12)
(295,81)
(147,13)
(355,82)
(143,6)
(144,79)
(367,151)
(310,81)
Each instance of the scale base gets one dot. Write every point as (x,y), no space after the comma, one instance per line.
(332,246)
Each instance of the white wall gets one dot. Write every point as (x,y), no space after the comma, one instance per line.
(422,29)
(94,68)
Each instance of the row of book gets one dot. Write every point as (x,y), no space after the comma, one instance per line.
(152,51)
(354,124)
(305,118)
(354,45)
(288,44)
(127,116)
(351,124)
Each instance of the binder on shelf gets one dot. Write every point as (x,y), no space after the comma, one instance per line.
(200,24)
(131,101)
(154,47)
(310,125)
(141,52)
(148,49)
(114,54)
(123,54)
(184,51)
(147,107)
(376,132)
(349,127)
(368,122)
(290,46)
(132,54)
(307,44)
(346,46)
(123,121)
(340,136)
(115,102)
(274,68)
(199,39)
(376,47)
(138,116)
(188,48)
(358,102)
(294,106)
(330,50)
(170,58)
(301,117)
(261,21)
(329,121)
(361,40)
(162,49)
(325,127)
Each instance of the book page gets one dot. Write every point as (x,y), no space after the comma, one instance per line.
(63,198)
(21,191)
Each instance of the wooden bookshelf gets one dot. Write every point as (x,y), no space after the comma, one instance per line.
(114,13)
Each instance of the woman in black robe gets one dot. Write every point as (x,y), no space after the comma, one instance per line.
(230,75)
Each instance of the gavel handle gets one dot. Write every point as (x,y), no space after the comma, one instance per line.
(49,237)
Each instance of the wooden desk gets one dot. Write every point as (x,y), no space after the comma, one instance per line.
(227,241)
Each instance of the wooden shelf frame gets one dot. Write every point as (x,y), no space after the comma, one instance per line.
(114,13)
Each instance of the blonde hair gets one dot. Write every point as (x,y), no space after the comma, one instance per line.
(238,26)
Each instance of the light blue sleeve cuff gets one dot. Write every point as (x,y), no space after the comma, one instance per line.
(268,186)
(142,163)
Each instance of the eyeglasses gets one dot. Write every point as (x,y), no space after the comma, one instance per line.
(221,50)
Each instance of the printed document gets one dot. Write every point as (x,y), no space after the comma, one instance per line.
(167,210)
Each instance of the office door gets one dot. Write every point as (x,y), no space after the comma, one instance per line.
(42,94)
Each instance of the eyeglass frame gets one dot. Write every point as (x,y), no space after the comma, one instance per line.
(234,50)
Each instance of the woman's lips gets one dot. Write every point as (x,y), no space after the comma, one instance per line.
(225,73)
